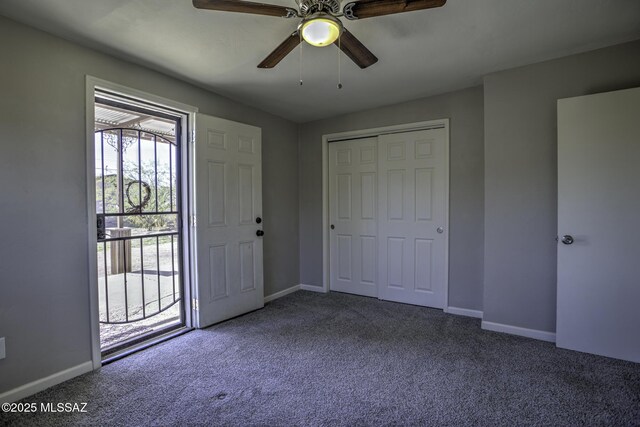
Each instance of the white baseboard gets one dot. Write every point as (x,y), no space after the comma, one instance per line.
(312,288)
(44,383)
(281,293)
(516,330)
(464,312)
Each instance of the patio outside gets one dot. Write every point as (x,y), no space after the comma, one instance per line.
(137,206)
(122,305)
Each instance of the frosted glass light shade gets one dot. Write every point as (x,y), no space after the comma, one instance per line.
(321,31)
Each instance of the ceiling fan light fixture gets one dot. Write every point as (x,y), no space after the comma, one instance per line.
(321,30)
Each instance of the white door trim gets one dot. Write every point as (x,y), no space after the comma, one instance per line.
(188,113)
(326,139)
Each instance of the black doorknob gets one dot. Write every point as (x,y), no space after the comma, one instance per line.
(567,239)
(259,233)
(258,220)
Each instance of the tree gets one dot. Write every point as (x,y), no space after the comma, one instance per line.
(140,195)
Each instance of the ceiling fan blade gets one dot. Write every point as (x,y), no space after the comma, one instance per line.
(355,50)
(246,7)
(281,51)
(369,8)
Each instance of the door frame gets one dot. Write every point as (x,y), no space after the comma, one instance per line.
(371,132)
(187,113)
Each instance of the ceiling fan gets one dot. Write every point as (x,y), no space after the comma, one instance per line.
(321,25)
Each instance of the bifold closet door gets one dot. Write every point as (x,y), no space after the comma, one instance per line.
(353,213)
(412,217)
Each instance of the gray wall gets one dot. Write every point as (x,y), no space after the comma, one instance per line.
(521,176)
(502,200)
(465,110)
(44,294)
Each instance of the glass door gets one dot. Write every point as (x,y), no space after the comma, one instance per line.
(138,184)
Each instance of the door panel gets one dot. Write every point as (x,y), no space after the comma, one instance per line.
(413,207)
(598,204)
(353,206)
(369,254)
(228,200)
(395,264)
(217,201)
(247,266)
(423,195)
(218,272)
(245,190)
(423,251)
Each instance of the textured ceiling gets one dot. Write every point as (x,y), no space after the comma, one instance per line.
(421,53)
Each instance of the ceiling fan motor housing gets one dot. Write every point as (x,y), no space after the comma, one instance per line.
(308,7)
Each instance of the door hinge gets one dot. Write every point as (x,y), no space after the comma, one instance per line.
(193,137)
(194,304)
(193,220)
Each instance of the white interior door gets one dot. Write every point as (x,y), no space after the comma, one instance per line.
(353,212)
(412,227)
(598,205)
(228,201)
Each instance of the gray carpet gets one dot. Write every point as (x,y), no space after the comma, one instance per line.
(311,359)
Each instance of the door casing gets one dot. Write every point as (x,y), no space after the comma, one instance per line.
(187,113)
(374,132)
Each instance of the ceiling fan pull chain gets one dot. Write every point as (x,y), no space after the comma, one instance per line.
(339,56)
(301,58)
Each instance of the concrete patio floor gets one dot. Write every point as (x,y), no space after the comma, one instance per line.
(148,301)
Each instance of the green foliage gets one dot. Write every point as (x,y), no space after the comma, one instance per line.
(160,194)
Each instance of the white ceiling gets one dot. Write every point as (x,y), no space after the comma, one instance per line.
(421,53)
